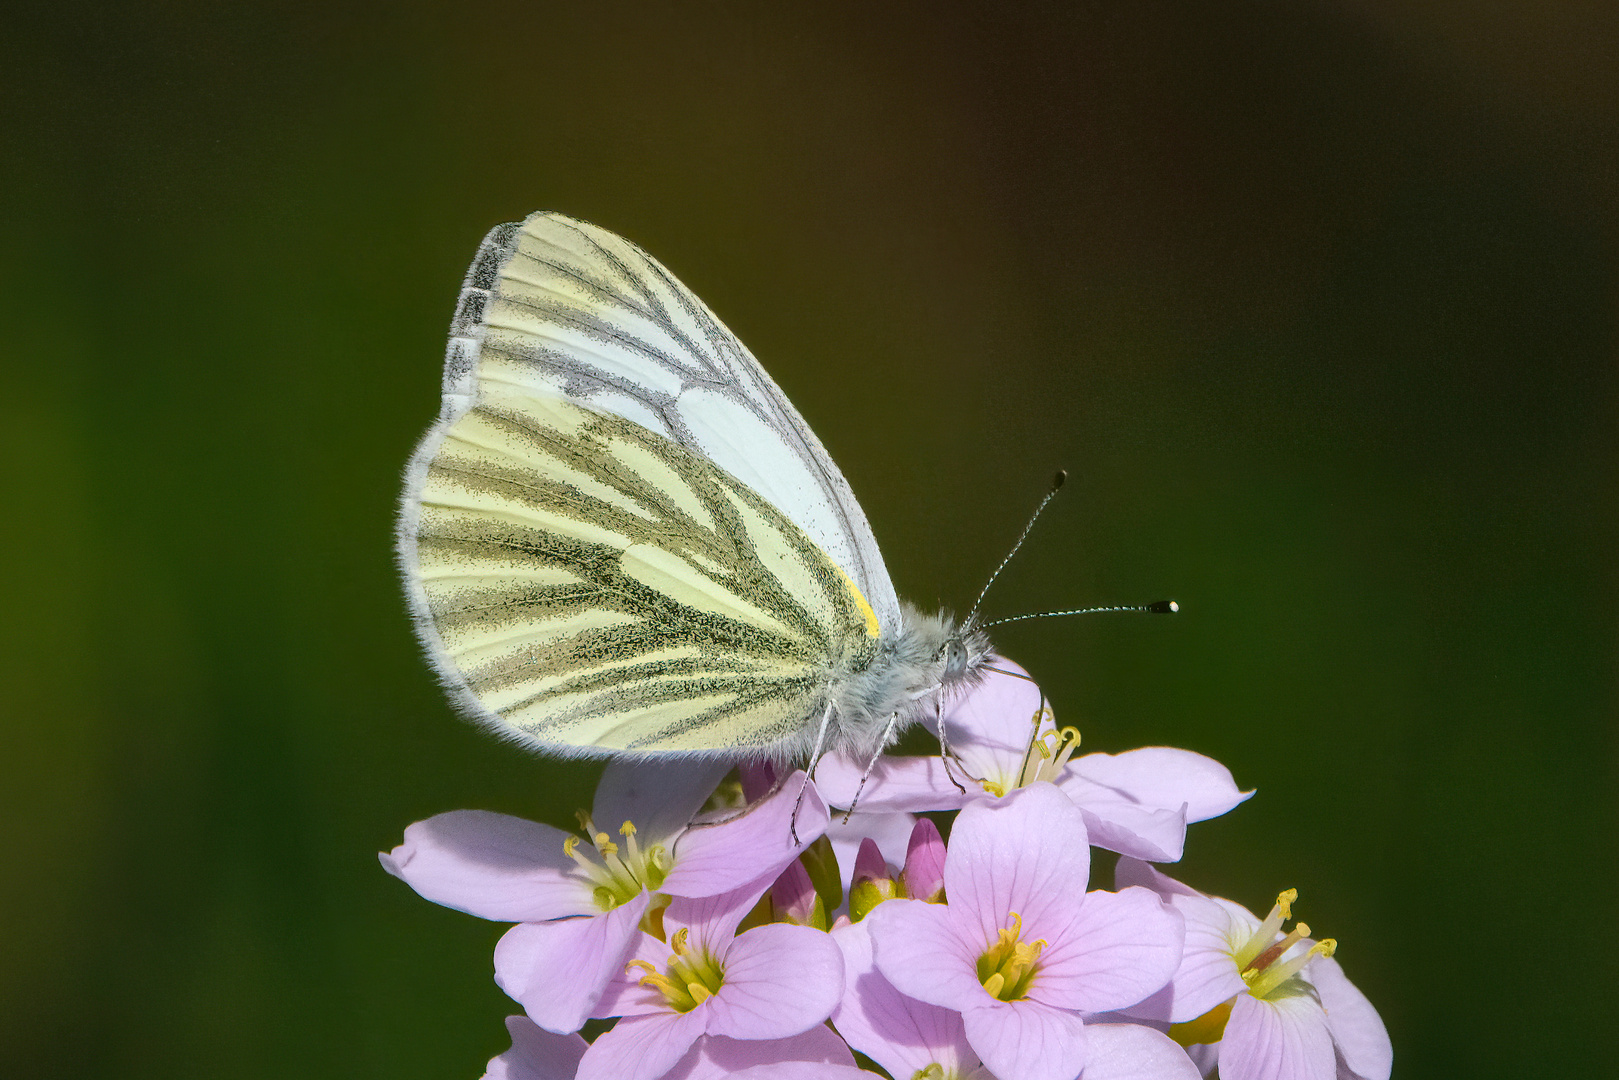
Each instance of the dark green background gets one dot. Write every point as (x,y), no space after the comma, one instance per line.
(1315,301)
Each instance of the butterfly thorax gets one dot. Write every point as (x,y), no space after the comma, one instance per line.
(912,676)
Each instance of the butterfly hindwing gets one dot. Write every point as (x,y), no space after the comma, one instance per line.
(565,309)
(593,587)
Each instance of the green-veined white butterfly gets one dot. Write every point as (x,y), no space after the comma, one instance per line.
(619,538)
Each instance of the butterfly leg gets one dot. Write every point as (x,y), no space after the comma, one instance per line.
(815,759)
(946,755)
(888,733)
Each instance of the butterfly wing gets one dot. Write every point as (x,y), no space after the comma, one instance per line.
(569,310)
(591,587)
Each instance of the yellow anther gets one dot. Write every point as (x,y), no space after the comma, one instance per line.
(678,942)
(1284,902)
(932,1071)
(699,993)
(995,984)
(627,829)
(568,845)
(993,788)
(640,964)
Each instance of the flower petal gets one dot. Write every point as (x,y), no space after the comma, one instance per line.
(1025,853)
(536,1054)
(1142,832)
(1028,1040)
(755,843)
(660,797)
(802,1070)
(1282,1038)
(894,784)
(990,727)
(1357,1030)
(1208,969)
(591,951)
(1132,1052)
(493,866)
(924,862)
(780,980)
(900,1033)
(711,921)
(922,950)
(1135,872)
(1120,948)
(1164,777)
(641,1047)
(714,1057)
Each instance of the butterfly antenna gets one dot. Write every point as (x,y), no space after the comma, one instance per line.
(1056,486)
(1157,607)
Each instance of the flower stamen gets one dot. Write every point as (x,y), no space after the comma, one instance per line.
(690,977)
(1007,967)
(1257,958)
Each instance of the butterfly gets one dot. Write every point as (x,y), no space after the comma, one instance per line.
(620,538)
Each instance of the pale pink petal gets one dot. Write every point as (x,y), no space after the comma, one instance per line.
(1142,832)
(793,894)
(924,861)
(1025,853)
(493,866)
(1027,1040)
(900,1033)
(780,980)
(890,831)
(1135,872)
(754,843)
(1121,948)
(714,1057)
(990,728)
(641,1047)
(590,951)
(660,797)
(1208,970)
(711,921)
(802,1070)
(895,783)
(924,951)
(1164,777)
(1356,1028)
(536,1054)
(1283,1038)
(1132,1052)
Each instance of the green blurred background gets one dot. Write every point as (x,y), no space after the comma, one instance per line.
(1316,301)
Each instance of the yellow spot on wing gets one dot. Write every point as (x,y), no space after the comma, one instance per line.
(873,627)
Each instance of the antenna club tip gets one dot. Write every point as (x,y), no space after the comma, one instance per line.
(1163,607)
(1060,479)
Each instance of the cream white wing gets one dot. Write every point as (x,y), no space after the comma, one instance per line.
(560,308)
(590,587)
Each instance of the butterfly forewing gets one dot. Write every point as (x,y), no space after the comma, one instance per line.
(587,584)
(565,309)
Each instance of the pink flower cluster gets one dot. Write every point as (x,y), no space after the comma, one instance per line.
(696,940)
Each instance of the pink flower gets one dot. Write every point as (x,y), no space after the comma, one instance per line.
(772,982)
(1020,949)
(817,1054)
(579,906)
(1271,1007)
(1137,803)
